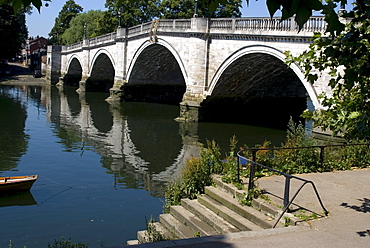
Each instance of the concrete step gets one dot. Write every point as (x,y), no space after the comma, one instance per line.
(209,217)
(265,206)
(143,237)
(250,213)
(186,217)
(228,215)
(229,188)
(173,225)
(258,203)
(132,242)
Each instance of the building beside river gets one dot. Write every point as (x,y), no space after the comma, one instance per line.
(35,53)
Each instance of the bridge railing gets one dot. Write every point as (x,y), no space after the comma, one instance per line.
(314,24)
(93,41)
(139,29)
(73,46)
(102,38)
(180,24)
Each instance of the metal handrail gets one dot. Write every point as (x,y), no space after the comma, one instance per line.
(288,177)
(322,147)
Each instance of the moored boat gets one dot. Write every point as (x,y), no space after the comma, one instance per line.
(15,184)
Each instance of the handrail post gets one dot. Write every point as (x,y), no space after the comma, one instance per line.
(322,156)
(238,169)
(251,170)
(286,190)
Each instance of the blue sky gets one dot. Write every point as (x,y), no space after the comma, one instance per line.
(41,23)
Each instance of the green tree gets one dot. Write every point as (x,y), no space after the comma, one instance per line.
(133,12)
(106,23)
(183,9)
(88,24)
(13,31)
(301,9)
(69,10)
(345,55)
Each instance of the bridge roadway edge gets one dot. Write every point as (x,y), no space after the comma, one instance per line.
(344,193)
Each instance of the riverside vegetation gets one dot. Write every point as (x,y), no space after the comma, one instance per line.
(197,171)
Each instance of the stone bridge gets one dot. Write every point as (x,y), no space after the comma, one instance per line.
(215,68)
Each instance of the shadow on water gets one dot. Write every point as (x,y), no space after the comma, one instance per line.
(17,199)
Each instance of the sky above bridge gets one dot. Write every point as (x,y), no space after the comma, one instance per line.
(41,23)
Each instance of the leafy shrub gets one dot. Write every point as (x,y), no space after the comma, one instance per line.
(196,175)
(307,158)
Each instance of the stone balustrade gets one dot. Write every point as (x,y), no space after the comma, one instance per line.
(314,24)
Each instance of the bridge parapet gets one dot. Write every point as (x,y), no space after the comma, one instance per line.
(260,25)
(73,46)
(139,29)
(179,24)
(266,25)
(103,39)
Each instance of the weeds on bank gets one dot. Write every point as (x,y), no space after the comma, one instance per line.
(305,217)
(63,243)
(195,176)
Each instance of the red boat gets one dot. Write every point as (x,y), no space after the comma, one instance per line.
(15,184)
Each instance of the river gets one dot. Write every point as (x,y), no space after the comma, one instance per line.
(102,168)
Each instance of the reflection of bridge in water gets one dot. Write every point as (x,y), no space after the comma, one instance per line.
(128,143)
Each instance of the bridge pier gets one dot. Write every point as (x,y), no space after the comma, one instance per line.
(116,92)
(60,82)
(82,86)
(190,106)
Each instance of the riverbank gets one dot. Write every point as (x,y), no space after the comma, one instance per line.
(344,193)
(21,75)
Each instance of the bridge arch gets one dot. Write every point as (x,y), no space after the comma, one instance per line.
(97,54)
(259,49)
(156,74)
(102,72)
(255,86)
(74,71)
(163,43)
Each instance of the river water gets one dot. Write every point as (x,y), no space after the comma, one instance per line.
(102,168)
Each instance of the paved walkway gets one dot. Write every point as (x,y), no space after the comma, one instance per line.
(346,195)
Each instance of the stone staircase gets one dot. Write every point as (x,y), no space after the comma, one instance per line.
(218,211)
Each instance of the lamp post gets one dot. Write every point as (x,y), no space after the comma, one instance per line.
(85,25)
(119,17)
(196,9)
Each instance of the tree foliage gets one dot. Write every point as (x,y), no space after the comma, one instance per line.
(184,9)
(19,4)
(89,24)
(13,31)
(133,12)
(69,10)
(345,56)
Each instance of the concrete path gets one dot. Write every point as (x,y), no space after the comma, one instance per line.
(346,195)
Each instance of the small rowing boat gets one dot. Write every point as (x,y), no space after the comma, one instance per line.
(15,184)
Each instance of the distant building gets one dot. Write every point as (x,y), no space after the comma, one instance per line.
(36,50)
